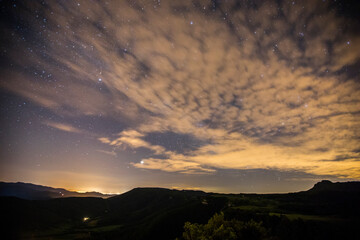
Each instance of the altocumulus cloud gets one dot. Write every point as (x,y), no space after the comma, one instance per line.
(262,85)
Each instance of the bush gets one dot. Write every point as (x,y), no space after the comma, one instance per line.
(218,228)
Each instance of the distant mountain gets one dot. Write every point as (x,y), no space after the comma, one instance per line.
(328,186)
(31,191)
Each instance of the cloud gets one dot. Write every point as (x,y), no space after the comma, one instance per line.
(264,86)
(64,127)
(111,153)
(133,139)
(174,165)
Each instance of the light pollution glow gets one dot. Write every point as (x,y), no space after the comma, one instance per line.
(180,94)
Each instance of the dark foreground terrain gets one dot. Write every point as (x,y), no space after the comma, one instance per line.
(327,211)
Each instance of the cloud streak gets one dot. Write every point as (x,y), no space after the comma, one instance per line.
(64,127)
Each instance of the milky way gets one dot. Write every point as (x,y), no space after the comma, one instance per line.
(227,96)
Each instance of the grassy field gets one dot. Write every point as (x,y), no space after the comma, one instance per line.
(294,216)
(67,232)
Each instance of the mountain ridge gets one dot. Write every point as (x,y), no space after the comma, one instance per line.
(328,186)
(32,191)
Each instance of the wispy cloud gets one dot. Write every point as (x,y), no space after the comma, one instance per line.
(111,153)
(174,165)
(64,127)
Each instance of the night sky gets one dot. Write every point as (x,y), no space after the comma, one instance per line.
(222,96)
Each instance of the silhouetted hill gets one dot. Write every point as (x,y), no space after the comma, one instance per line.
(328,186)
(158,213)
(37,192)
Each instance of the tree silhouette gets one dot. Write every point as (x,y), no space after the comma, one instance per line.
(218,228)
